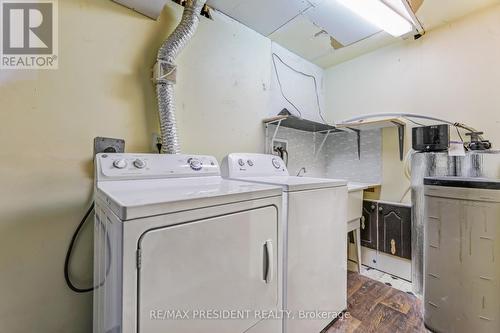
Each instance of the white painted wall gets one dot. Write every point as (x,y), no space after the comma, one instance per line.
(453,72)
(298,88)
(223,88)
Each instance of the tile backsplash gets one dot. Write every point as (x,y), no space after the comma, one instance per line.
(342,159)
(339,156)
(301,151)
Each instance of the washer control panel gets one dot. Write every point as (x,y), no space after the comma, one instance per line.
(195,164)
(120,163)
(144,166)
(253,165)
(140,163)
(276,163)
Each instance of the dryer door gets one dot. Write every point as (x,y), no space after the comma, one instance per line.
(194,273)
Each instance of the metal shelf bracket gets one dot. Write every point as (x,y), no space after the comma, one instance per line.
(270,144)
(322,144)
(401,135)
(358,134)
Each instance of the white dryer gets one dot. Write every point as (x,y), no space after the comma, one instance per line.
(179,249)
(314,248)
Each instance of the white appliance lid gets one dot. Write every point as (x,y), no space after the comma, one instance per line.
(294,183)
(148,197)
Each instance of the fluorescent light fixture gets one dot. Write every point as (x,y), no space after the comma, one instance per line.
(380,15)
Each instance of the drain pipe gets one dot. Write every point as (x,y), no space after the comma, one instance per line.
(165,72)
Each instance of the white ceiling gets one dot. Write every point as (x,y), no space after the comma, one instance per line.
(341,23)
(305,26)
(263,16)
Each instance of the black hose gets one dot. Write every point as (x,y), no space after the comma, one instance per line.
(70,251)
(67,261)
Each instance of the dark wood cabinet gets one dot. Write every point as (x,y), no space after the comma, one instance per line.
(394,230)
(369,225)
(386,227)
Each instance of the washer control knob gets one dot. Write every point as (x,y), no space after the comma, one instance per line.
(195,164)
(139,163)
(120,164)
(241,162)
(250,163)
(276,163)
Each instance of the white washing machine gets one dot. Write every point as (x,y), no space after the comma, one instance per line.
(461,253)
(179,249)
(314,247)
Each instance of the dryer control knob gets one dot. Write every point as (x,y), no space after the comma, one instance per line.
(241,162)
(195,164)
(139,164)
(276,163)
(250,163)
(120,164)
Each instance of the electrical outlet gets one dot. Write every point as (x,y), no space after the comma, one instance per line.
(279,143)
(108,145)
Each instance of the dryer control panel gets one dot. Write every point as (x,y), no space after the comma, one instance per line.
(239,165)
(151,166)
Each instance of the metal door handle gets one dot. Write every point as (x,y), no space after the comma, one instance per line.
(268,264)
(393,246)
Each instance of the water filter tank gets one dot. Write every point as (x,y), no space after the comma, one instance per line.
(461,254)
(481,164)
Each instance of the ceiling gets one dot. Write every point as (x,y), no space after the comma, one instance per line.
(305,27)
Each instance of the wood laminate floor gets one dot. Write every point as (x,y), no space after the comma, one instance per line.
(374,307)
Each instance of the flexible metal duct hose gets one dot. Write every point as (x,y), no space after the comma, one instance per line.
(168,123)
(165,76)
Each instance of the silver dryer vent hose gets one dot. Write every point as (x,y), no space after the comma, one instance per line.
(165,74)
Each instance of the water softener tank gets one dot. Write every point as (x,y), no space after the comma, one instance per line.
(461,251)
(477,164)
